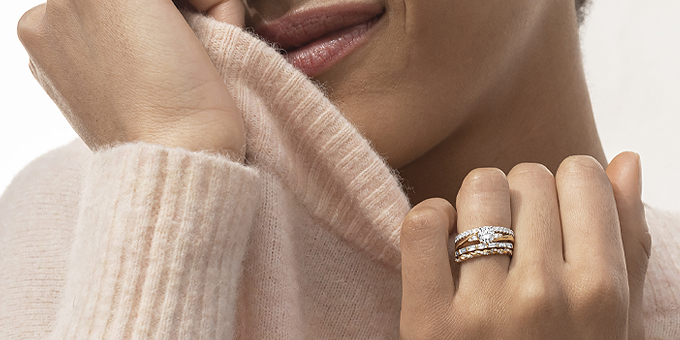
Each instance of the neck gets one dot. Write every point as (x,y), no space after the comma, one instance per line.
(542,114)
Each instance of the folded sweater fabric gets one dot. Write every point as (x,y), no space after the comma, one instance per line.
(146,242)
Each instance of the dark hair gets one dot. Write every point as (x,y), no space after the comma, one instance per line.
(581,6)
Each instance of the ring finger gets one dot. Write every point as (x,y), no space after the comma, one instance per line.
(483,200)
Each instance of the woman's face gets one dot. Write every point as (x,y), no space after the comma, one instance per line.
(424,68)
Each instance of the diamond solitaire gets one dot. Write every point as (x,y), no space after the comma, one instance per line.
(486,234)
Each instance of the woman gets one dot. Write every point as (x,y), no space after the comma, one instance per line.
(227,197)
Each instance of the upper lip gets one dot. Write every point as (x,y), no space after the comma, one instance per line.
(300,28)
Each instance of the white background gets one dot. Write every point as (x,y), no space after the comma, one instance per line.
(632,57)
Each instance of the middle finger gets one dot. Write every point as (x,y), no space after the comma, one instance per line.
(535,216)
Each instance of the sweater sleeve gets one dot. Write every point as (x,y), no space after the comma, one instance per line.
(158,246)
(662,287)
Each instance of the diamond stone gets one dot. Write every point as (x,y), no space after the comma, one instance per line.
(486,234)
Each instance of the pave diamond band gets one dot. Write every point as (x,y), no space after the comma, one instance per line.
(482,241)
(486,230)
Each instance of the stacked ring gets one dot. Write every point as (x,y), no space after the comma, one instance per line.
(483,241)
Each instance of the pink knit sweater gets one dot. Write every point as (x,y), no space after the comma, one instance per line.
(146,242)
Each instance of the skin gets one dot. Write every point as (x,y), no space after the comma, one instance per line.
(439,105)
(504,86)
(436,106)
(566,280)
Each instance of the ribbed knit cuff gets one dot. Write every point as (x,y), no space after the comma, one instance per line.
(159,245)
(662,292)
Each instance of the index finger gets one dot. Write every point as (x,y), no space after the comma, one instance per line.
(227,11)
(425,268)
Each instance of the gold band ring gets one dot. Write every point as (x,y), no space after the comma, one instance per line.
(480,253)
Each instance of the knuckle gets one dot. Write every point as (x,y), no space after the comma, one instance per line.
(29,25)
(530,171)
(472,318)
(581,167)
(484,174)
(483,180)
(602,293)
(539,296)
(421,223)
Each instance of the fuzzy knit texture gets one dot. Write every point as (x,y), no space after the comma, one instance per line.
(146,242)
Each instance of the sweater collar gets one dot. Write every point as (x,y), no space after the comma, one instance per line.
(297,135)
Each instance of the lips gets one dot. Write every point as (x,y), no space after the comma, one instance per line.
(316,39)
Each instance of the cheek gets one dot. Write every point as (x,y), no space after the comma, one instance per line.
(466,42)
(402,124)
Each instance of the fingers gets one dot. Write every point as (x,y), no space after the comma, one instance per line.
(625,172)
(590,225)
(425,268)
(483,200)
(132,71)
(227,11)
(28,28)
(535,216)
(30,33)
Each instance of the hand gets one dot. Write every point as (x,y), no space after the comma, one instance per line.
(578,266)
(128,71)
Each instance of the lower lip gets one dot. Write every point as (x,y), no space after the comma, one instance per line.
(317,57)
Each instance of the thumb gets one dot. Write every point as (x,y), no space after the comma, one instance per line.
(227,11)
(625,174)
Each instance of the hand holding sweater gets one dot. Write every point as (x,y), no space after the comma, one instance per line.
(134,71)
